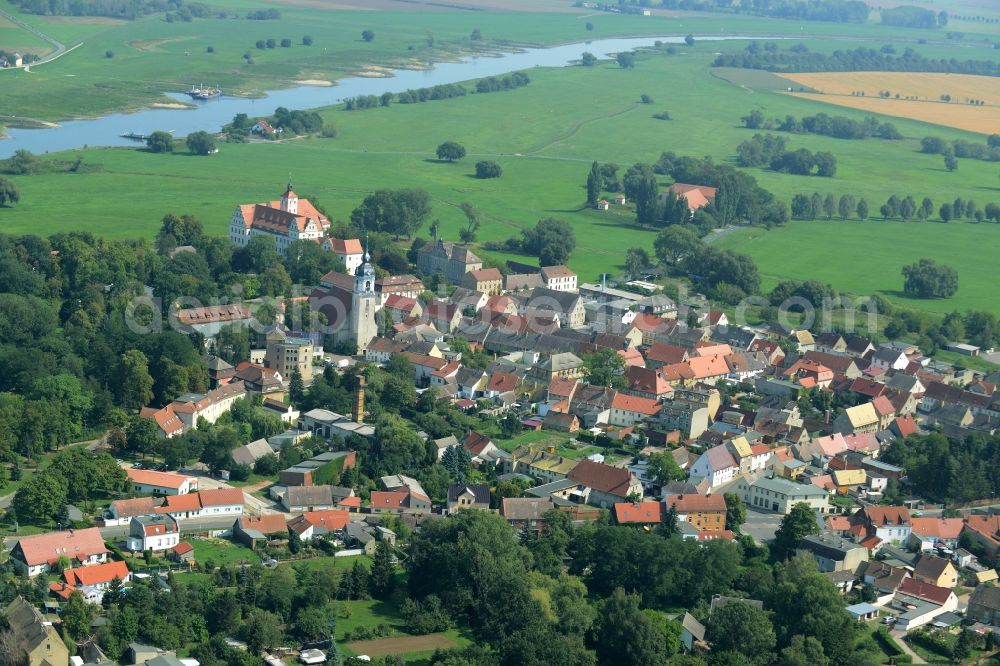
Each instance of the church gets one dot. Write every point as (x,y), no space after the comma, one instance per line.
(286,220)
(349,303)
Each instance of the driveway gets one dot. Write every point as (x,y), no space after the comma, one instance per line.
(761,525)
(899,635)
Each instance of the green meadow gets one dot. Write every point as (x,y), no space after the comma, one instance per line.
(866,257)
(544,136)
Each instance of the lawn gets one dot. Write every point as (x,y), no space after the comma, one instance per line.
(537,438)
(867,257)
(222,552)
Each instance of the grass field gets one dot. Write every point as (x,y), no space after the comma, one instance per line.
(402,645)
(222,552)
(866,257)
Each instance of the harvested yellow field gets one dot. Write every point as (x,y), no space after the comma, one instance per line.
(919,96)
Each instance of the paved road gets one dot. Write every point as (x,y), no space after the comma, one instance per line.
(189,525)
(59,47)
(898,635)
(716,234)
(761,525)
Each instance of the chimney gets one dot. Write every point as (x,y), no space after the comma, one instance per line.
(358,408)
(826,417)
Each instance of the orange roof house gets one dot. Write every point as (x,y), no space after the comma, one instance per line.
(37,553)
(638,513)
(697,196)
(99,574)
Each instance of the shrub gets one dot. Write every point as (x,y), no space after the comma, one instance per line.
(488,169)
(109,54)
(307,40)
(286,43)
(210,49)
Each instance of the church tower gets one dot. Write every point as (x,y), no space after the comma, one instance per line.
(290,201)
(364,302)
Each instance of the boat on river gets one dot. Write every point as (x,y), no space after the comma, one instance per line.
(199,92)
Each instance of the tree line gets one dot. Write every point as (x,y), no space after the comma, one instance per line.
(125,9)
(769,151)
(438,92)
(988,151)
(947,469)
(908,16)
(839,127)
(834,11)
(799,59)
(896,207)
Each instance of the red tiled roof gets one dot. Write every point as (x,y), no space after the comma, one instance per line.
(139,506)
(96,574)
(883,406)
(389,498)
(666,354)
(221,497)
(345,246)
(635,404)
(502,382)
(331,519)
(926,591)
(353,501)
(159,479)
(74,544)
(638,512)
(212,314)
(476,443)
(270,523)
(906,426)
(939,528)
(887,515)
(183,548)
(486,275)
(400,302)
(709,535)
(177,503)
(605,478)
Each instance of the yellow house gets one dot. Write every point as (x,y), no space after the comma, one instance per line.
(936,571)
(845,479)
(30,639)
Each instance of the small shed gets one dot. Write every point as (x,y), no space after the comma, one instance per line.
(863,612)
(603,204)
(182,552)
(312,656)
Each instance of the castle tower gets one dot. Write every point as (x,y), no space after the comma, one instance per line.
(364,303)
(358,408)
(290,201)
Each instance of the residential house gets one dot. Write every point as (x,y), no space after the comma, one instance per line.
(604,485)
(984,530)
(984,605)
(565,364)
(250,453)
(558,278)
(831,343)
(560,422)
(156,533)
(290,354)
(841,365)
(936,571)
(487,280)
(928,533)
(692,632)
(639,513)
(833,553)
(348,250)
(526,514)
(120,512)
(779,495)
(206,503)
(29,639)
(566,305)
(253,530)
(628,410)
(451,260)
(696,196)
(888,358)
(400,494)
(308,498)
(312,524)
(92,581)
(468,496)
(538,464)
(409,286)
(646,383)
(41,553)
(183,552)
(703,512)
(890,524)
(858,419)
(716,465)
(920,603)
(161,483)
(258,379)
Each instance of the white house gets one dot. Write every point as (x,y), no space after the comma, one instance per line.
(161,483)
(349,251)
(717,465)
(207,503)
(154,533)
(887,359)
(627,410)
(38,554)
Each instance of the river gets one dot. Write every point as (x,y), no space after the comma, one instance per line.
(211,115)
